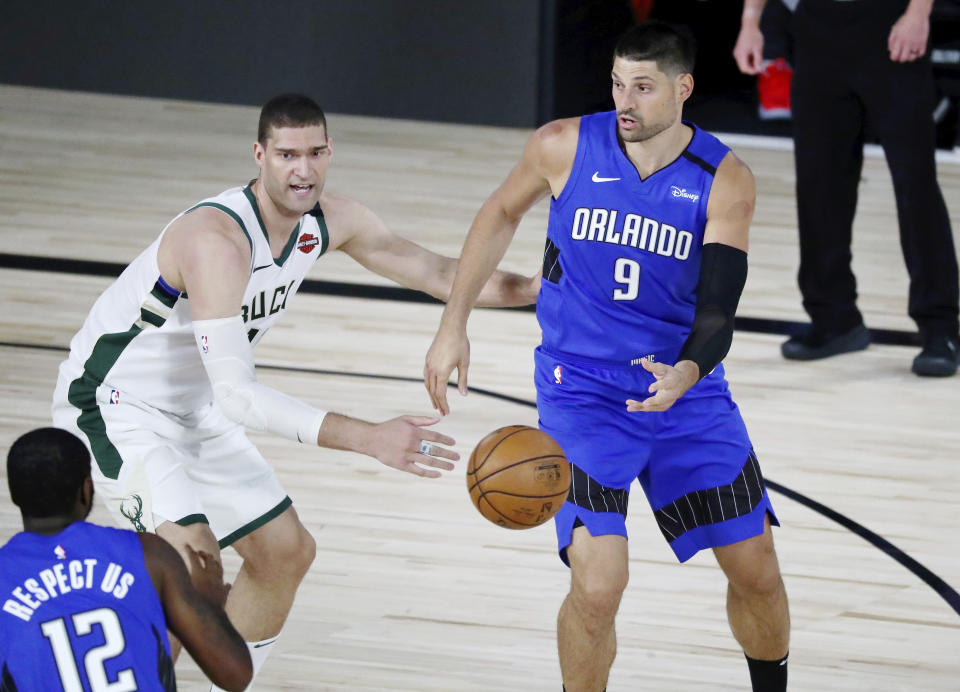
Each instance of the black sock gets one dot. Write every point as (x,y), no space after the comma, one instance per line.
(768,676)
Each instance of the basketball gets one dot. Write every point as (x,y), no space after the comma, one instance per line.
(518,477)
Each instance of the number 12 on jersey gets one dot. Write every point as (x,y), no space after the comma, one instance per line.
(113,645)
(626,272)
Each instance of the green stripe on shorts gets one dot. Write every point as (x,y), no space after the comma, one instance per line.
(247,529)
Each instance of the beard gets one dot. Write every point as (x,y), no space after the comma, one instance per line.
(643,131)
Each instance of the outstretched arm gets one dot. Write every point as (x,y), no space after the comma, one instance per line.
(543,167)
(194,611)
(206,254)
(723,272)
(383,252)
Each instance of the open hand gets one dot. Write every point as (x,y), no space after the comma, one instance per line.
(403,443)
(671,383)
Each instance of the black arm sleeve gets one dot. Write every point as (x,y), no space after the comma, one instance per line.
(723,273)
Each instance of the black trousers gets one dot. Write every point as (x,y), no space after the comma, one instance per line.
(775,26)
(843,78)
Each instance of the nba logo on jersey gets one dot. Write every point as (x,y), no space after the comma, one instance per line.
(203,344)
(60,552)
(114,396)
(558,374)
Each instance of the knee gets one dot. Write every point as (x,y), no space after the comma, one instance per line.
(299,551)
(597,594)
(759,578)
(288,553)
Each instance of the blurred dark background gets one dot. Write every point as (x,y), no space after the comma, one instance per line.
(498,62)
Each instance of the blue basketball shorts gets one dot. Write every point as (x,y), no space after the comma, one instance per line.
(694,461)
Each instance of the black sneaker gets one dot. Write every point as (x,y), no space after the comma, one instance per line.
(939,357)
(814,344)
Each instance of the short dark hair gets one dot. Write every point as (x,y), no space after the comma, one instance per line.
(289,110)
(45,469)
(672,47)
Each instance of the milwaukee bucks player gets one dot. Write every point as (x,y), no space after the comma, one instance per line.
(160,380)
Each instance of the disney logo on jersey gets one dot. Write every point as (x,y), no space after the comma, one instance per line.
(633,230)
(682,192)
(257,307)
(306,243)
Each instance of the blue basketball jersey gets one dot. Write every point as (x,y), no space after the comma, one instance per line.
(80,614)
(622,260)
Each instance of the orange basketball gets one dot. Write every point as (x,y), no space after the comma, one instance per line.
(518,477)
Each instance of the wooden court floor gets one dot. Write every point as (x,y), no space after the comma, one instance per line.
(413,590)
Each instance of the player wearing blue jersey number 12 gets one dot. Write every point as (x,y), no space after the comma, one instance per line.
(85,608)
(644,265)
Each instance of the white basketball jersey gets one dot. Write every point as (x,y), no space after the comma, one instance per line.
(138,342)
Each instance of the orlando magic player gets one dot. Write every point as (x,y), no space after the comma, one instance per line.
(160,379)
(644,265)
(83,605)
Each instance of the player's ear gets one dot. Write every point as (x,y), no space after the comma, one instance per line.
(684,86)
(86,496)
(259,152)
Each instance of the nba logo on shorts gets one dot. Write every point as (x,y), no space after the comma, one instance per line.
(203,344)
(114,396)
(558,374)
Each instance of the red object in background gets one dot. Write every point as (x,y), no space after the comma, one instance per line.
(773,90)
(642,9)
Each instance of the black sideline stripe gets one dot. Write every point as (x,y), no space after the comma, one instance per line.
(887,337)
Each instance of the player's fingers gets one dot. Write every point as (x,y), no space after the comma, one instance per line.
(410,467)
(195,560)
(208,558)
(437,451)
(428,382)
(433,460)
(434,436)
(441,395)
(462,378)
(421,421)
(654,403)
(431,385)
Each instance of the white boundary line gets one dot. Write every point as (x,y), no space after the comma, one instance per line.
(786,144)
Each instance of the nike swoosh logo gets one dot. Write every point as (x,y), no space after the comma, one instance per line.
(597,179)
(265,643)
(256,269)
